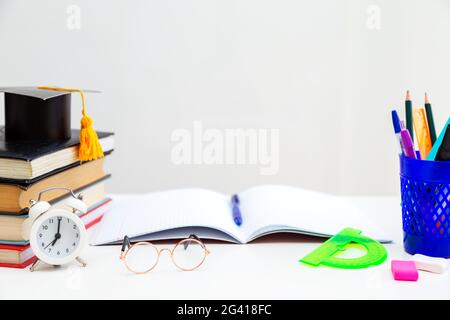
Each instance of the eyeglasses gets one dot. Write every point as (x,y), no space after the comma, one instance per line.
(142,257)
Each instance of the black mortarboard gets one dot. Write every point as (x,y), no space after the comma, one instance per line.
(43,114)
(32,114)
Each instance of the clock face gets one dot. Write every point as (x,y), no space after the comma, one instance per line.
(57,236)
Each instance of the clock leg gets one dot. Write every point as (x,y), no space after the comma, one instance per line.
(80,261)
(33,266)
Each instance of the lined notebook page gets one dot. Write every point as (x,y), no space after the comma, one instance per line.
(139,215)
(271,207)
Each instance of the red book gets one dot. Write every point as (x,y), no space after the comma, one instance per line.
(16,256)
(95,215)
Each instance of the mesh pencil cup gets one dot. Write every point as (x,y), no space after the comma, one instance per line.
(425,193)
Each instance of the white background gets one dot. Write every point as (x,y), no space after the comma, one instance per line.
(312,69)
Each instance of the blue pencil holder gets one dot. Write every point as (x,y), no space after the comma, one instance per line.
(425,192)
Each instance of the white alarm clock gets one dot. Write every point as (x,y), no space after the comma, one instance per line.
(57,236)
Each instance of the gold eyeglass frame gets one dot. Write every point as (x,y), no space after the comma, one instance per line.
(127,247)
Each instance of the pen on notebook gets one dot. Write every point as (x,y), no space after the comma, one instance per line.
(237,216)
(407,143)
(397,129)
(430,119)
(409,114)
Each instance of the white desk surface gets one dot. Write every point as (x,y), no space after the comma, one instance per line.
(266,269)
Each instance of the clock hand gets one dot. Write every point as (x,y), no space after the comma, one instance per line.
(51,243)
(59,224)
(57,235)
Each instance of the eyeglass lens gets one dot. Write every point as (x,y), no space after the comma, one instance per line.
(188,254)
(142,257)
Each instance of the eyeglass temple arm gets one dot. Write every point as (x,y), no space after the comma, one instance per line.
(125,244)
(192,236)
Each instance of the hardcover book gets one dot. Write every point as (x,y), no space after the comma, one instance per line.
(25,162)
(15,198)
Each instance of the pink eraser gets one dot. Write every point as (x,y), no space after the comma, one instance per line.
(404,270)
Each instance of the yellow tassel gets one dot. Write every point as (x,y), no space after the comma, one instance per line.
(90,148)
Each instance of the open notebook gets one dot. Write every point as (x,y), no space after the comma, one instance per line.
(265,209)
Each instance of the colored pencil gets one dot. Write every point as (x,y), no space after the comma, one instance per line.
(430,119)
(409,114)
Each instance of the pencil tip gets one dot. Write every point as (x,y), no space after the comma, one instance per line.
(408,95)
(426,98)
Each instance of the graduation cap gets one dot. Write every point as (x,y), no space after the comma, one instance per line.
(43,114)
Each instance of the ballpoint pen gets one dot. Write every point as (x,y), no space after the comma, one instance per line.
(397,129)
(237,216)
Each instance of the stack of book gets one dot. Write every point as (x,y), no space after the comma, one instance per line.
(28,168)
